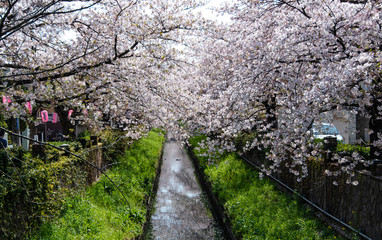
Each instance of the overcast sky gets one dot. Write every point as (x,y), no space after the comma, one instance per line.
(211,14)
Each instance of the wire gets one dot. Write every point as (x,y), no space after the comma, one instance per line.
(308,201)
(67,151)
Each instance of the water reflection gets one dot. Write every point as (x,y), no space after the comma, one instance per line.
(180,206)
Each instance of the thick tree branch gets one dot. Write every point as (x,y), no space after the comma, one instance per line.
(68,73)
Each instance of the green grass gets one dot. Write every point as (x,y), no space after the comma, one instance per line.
(33,189)
(255,208)
(101,212)
(348,149)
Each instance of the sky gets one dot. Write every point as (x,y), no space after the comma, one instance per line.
(205,10)
(208,13)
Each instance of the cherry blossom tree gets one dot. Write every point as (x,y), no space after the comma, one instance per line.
(281,64)
(273,70)
(105,56)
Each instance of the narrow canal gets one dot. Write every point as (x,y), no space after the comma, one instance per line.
(180,209)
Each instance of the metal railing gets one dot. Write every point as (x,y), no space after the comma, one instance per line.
(308,201)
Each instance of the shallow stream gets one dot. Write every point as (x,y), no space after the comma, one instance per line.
(180,208)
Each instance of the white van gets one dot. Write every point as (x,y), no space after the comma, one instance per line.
(322,130)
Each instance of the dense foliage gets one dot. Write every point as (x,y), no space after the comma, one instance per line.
(255,208)
(32,189)
(280,66)
(102,212)
(115,143)
(275,68)
(2,121)
(103,59)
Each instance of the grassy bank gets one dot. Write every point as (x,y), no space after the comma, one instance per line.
(33,188)
(101,212)
(255,208)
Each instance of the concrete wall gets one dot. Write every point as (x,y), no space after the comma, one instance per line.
(362,124)
(345,122)
(351,126)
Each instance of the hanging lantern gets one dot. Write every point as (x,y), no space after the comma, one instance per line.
(44,116)
(85,112)
(29,107)
(6,99)
(55,118)
(70,113)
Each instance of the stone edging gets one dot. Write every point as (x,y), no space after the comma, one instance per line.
(151,200)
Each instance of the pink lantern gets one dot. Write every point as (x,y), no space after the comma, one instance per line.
(70,113)
(55,117)
(29,107)
(44,116)
(85,112)
(6,99)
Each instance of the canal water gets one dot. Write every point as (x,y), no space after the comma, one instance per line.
(181,208)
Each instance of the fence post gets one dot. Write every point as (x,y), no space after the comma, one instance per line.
(95,157)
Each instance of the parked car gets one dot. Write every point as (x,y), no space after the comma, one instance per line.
(322,130)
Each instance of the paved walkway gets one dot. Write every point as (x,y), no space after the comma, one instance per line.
(180,212)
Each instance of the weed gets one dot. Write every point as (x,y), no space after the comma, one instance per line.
(102,212)
(255,208)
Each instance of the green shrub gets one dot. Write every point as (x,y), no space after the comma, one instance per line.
(33,189)
(115,144)
(84,138)
(3,123)
(84,135)
(102,212)
(349,149)
(243,138)
(255,208)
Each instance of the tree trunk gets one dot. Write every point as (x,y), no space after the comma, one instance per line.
(375,123)
(270,110)
(67,126)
